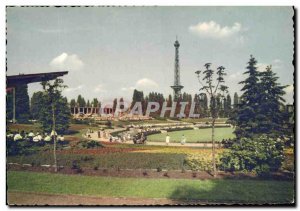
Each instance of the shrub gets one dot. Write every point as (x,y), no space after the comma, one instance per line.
(87,158)
(227,143)
(88,144)
(201,162)
(76,166)
(261,155)
(179,129)
(158,169)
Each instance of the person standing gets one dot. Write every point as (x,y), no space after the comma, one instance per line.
(167,139)
(183,139)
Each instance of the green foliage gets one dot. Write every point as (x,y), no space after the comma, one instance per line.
(9,105)
(72,103)
(81,101)
(84,144)
(200,162)
(95,102)
(259,108)
(37,100)
(53,103)
(262,155)
(62,114)
(235,100)
(18,147)
(22,104)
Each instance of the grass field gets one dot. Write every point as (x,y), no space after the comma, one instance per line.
(250,191)
(192,136)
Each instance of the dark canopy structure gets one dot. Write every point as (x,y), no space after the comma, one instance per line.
(14,80)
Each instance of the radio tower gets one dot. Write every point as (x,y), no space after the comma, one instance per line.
(177,86)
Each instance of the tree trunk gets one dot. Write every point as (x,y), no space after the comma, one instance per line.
(54,138)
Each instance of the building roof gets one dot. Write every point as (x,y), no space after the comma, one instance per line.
(15,80)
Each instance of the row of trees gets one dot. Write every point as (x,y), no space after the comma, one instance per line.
(80,102)
(26,109)
(224,105)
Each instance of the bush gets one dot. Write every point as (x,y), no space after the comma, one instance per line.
(261,155)
(227,143)
(179,129)
(200,162)
(21,147)
(88,144)
(76,166)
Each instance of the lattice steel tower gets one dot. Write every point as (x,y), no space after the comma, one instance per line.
(177,86)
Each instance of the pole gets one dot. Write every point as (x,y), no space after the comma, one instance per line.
(54,138)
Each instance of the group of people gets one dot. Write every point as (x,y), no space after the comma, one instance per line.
(182,141)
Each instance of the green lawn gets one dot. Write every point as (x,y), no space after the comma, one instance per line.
(250,191)
(192,136)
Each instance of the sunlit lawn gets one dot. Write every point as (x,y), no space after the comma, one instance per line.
(250,191)
(192,136)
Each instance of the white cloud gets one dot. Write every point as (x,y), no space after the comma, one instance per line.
(261,67)
(69,89)
(142,84)
(236,75)
(146,83)
(214,30)
(125,89)
(277,61)
(67,62)
(100,88)
(289,89)
(276,64)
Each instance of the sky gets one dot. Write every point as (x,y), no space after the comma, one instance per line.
(109,51)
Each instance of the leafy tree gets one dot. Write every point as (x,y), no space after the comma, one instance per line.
(95,102)
(62,114)
(198,106)
(213,91)
(115,102)
(88,104)
(235,100)
(73,103)
(80,101)
(36,103)
(227,106)
(121,103)
(138,96)
(55,114)
(9,104)
(22,103)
